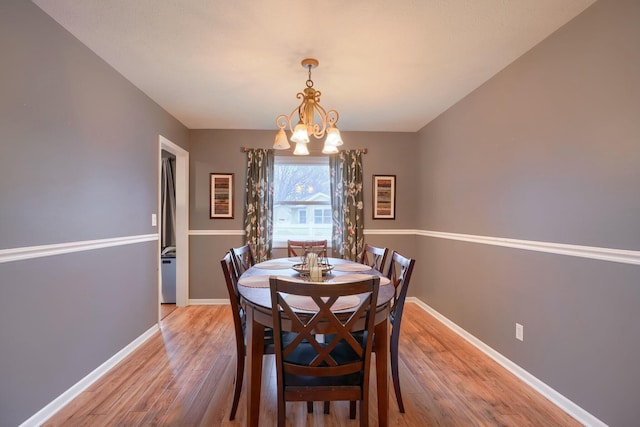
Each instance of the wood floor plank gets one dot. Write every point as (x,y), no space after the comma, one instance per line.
(184,376)
(159,407)
(78,407)
(207,391)
(178,408)
(127,388)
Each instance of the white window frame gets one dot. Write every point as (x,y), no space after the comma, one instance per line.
(301,160)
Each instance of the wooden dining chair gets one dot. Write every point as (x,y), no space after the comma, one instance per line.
(243,258)
(239,324)
(298,248)
(335,367)
(374,257)
(399,273)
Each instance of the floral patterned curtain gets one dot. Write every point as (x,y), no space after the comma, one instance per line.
(258,221)
(347,204)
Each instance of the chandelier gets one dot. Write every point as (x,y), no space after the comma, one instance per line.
(307,125)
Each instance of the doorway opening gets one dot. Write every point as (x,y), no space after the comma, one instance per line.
(181,248)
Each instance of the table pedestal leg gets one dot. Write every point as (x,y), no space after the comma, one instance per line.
(255,348)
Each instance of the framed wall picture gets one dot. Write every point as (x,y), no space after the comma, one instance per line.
(384,197)
(221,193)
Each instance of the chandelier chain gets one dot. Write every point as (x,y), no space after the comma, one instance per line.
(309,81)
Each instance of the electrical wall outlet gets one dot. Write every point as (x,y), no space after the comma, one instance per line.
(154,220)
(519,332)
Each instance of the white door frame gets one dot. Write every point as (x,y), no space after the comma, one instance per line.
(182,219)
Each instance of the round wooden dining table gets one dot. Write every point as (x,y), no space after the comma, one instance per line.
(253,287)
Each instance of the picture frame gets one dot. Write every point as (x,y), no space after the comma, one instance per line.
(384,197)
(221,195)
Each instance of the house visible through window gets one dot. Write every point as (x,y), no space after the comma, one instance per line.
(302,202)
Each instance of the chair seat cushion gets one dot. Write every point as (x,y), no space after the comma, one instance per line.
(303,381)
(304,354)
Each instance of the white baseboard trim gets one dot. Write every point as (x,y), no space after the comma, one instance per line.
(48,411)
(211,301)
(18,254)
(559,400)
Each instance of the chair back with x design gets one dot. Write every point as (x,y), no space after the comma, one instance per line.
(243,258)
(337,366)
(297,248)
(375,257)
(399,273)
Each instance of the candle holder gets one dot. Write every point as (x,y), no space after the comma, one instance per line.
(311,260)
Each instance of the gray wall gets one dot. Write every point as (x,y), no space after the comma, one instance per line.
(547,150)
(220,151)
(78,161)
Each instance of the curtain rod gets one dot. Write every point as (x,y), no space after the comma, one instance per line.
(362,150)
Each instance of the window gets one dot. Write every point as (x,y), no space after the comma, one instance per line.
(322,216)
(301,199)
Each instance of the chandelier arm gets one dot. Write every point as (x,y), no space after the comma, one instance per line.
(282,120)
(318,129)
(300,108)
(332,117)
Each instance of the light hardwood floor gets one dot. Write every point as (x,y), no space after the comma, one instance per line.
(166,309)
(183,376)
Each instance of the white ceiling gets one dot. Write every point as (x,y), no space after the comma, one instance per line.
(385,66)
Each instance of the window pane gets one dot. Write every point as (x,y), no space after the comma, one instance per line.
(327,216)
